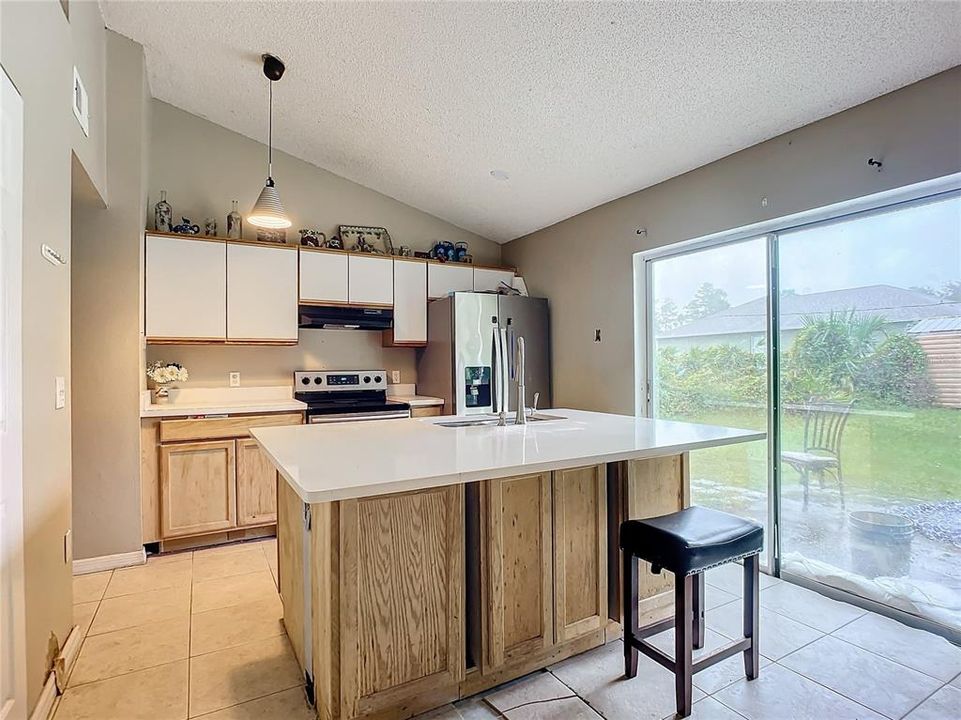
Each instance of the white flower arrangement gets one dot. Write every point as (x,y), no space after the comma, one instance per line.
(163,372)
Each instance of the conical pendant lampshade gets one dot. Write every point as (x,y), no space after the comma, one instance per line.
(268,211)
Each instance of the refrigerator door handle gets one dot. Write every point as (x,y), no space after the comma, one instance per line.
(505,382)
(497,372)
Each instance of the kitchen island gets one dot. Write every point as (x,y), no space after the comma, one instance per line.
(422,562)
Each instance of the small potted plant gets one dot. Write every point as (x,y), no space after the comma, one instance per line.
(162,373)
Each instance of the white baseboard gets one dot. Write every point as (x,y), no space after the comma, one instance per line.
(48,696)
(109,562)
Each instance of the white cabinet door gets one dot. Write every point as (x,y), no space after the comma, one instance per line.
(323,277)
(261,293)
(370,280)
(490,279)
(410,302)
(443,279)
(185,289)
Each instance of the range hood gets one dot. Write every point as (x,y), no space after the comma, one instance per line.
(345,318)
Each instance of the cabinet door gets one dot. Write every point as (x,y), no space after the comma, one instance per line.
(256,485)
(261,293)
(197,488)
(323,277)
(443,279)
(370,280)
(401,599)
(410,303)
(580,551)
(516,569)
(185,289)
(489,279)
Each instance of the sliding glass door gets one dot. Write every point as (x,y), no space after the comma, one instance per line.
(864,406)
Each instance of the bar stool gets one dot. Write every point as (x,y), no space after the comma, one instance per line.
(687,543)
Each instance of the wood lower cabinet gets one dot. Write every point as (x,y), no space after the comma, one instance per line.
(197,488)
(256,485)
(516,568)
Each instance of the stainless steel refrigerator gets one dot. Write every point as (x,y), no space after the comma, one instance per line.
(471,352)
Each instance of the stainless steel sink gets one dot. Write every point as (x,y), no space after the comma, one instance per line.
(489,421)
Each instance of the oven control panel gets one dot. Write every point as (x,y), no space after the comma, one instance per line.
(340,380)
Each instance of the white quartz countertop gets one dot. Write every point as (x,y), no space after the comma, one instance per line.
(417,400)
(221,401)
(348,460)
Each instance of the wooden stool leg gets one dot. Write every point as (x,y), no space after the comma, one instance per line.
(630,613)
(683,643)
(698,603)
(752,606)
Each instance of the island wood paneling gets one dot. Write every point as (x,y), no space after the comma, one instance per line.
(580,551)
(401,601)
(290,565)
(517,568)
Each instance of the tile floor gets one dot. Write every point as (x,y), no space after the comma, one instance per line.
(200,635)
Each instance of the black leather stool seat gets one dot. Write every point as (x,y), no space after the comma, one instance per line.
(691,540)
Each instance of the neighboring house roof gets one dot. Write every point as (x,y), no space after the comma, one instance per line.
(894,304)
(936,325)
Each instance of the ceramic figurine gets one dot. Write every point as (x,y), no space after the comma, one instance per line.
(313,238)
(210,227)
(185,228)
(235,223)
(162,213)
(335,243)
(443,251)
(460,252)
(405,251)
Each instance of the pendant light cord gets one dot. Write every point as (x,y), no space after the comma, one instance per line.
(270,129)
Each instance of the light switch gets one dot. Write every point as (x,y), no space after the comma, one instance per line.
(235,379)
(61,392)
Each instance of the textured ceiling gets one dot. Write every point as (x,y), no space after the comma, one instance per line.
(578,103)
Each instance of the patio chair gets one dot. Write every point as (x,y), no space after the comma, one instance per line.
(823,426)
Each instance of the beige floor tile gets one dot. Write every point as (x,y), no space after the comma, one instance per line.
(238,674)
(540,687)
(572,708)
(270,552)
(168,558)
(89,588)
(83,615)
(780,634)
(475,708)
(149,577)
(945,703)
(240,562)
(227,627)
(228,548)
(808,607)
(141,609)
(709,709)
(124,651)
(159,693)
(286,705)
(232,590)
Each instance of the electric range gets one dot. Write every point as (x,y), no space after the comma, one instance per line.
(346,396)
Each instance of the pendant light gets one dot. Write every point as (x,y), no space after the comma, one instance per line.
(268,211)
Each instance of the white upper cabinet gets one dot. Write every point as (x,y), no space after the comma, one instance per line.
(323,277)
(491,278)
(370,280)
(185,289)
(445,278)
(261,293)
(410,302)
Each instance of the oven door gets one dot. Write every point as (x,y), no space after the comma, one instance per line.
(358,416)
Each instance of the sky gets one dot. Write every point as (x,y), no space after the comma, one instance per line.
(909,247)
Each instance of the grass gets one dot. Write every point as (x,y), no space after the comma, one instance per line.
(913,455)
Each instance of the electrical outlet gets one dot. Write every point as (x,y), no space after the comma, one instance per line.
(395,376)
(61,401)
(235,379)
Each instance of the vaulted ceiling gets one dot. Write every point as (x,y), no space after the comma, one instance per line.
(504,118)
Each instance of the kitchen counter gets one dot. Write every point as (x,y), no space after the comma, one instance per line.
(350,460)
(221,401)
(407,393)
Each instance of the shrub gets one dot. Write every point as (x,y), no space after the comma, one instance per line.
(896,373)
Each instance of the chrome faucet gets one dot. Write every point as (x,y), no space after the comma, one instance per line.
(520,418)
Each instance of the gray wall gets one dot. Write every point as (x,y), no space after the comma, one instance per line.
(584,264)
(204,166)
(105,323)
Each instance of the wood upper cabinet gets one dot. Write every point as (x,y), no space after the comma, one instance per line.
(185,289)
(323,277)
(401,599)
(256,485)
(445,278)
(261,293)
(197,488)
(580,551)
(489,279)
(410,303)
(516,568)
(370,280)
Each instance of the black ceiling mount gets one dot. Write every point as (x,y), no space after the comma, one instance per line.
(273,67)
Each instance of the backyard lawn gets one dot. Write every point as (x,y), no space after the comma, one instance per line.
(912,455)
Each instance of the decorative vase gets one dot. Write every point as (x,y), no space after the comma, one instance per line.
(162,394)
(235,223)
(210,227)
(162,213)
